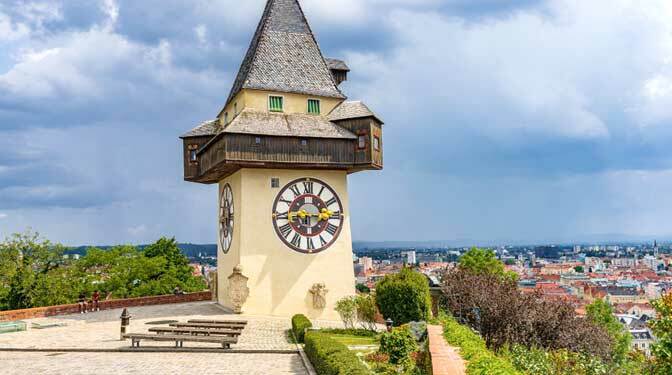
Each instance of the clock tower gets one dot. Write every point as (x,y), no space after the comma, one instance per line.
(280,151)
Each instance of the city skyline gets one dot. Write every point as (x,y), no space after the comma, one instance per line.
(502,136)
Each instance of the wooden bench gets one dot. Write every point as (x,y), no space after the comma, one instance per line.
(208,325)
(225,341)
(241,322)
(196,331)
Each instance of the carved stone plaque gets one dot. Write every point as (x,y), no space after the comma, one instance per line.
(319,292)
(238,290)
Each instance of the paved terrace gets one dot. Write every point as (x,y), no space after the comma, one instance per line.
(263,347)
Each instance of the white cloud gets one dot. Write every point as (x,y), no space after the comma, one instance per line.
(138,230)
(10,31)
(3,216)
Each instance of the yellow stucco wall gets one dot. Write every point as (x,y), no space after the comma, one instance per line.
(280,278)
(292,103)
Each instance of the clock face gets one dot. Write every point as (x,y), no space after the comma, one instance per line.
(308,215)
(226,218)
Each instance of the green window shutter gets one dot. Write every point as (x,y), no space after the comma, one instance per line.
(275,103)
(314,106)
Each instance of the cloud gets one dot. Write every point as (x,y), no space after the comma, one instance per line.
(3,216)
(519,118)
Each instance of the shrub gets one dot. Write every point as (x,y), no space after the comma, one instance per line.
(398,344)
(299,325)
(473,350)
(329,357)
(346,307)
(404,297)
(366,311)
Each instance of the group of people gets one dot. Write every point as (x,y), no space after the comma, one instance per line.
(86,305)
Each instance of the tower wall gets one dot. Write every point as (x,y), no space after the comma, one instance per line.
(279,277)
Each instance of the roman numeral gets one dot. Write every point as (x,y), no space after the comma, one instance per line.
(331,229)
(285,230)
(336,215)
(296,241)
(322,241)
(319,194)
(311,246)
(331,201)
(283,215)
(285,201)
(295,190)
(308,187)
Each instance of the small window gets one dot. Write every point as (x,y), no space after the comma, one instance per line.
(313,106)
(361,141)
(376,143)
(275,103)
(257,140)
(304,142)
(193,155)
(226,118)
(275,182)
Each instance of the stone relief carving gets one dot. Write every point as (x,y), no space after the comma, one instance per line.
(238,290)
(319,292)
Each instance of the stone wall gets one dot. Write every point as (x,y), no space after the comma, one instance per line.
(41,312)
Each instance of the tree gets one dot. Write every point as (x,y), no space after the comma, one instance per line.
(662,329)
(578,269)
(482,261)
(362,288)
(404,297)
(27,264)
(601,313)
(494,306)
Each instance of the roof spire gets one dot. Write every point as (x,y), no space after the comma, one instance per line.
(284,56)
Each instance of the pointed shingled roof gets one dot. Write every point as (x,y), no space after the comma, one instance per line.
(284,56)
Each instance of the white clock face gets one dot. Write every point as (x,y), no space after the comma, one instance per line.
(308,215)
(226,218)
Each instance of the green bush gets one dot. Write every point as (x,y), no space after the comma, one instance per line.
(404,297)
(346,308)
(398,344)
(330,357)
(366,311)
(481,361)
(299,325)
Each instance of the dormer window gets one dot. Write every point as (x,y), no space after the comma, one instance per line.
(275,103)
(313,106)
(193,156)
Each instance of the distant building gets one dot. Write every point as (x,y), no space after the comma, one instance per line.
(624,262)
(642,339)
(366,263)
(410,257)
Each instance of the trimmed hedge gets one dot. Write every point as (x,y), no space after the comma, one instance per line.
(299,325)
(404,297)
(330,357)
(350,331)
(481,361)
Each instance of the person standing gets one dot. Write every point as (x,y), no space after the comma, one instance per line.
(81,300)
(95,301)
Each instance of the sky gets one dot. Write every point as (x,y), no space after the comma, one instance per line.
(505,120)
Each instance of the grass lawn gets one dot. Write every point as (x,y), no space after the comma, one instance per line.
(355,340)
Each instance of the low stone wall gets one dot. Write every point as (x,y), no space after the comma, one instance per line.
(41,312)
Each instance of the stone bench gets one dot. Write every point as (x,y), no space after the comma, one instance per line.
(196,331)
(240,322)
(179,340)
(208,325)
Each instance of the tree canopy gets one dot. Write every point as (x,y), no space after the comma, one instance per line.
(34,272)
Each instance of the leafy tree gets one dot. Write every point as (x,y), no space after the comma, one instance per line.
(28,262)
(601,313)
(362,288)
(662,329)
(404,297)
(578,269)
(346,308)
(503,315)
(482,261)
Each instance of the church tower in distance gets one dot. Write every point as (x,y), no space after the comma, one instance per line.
(280,151)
